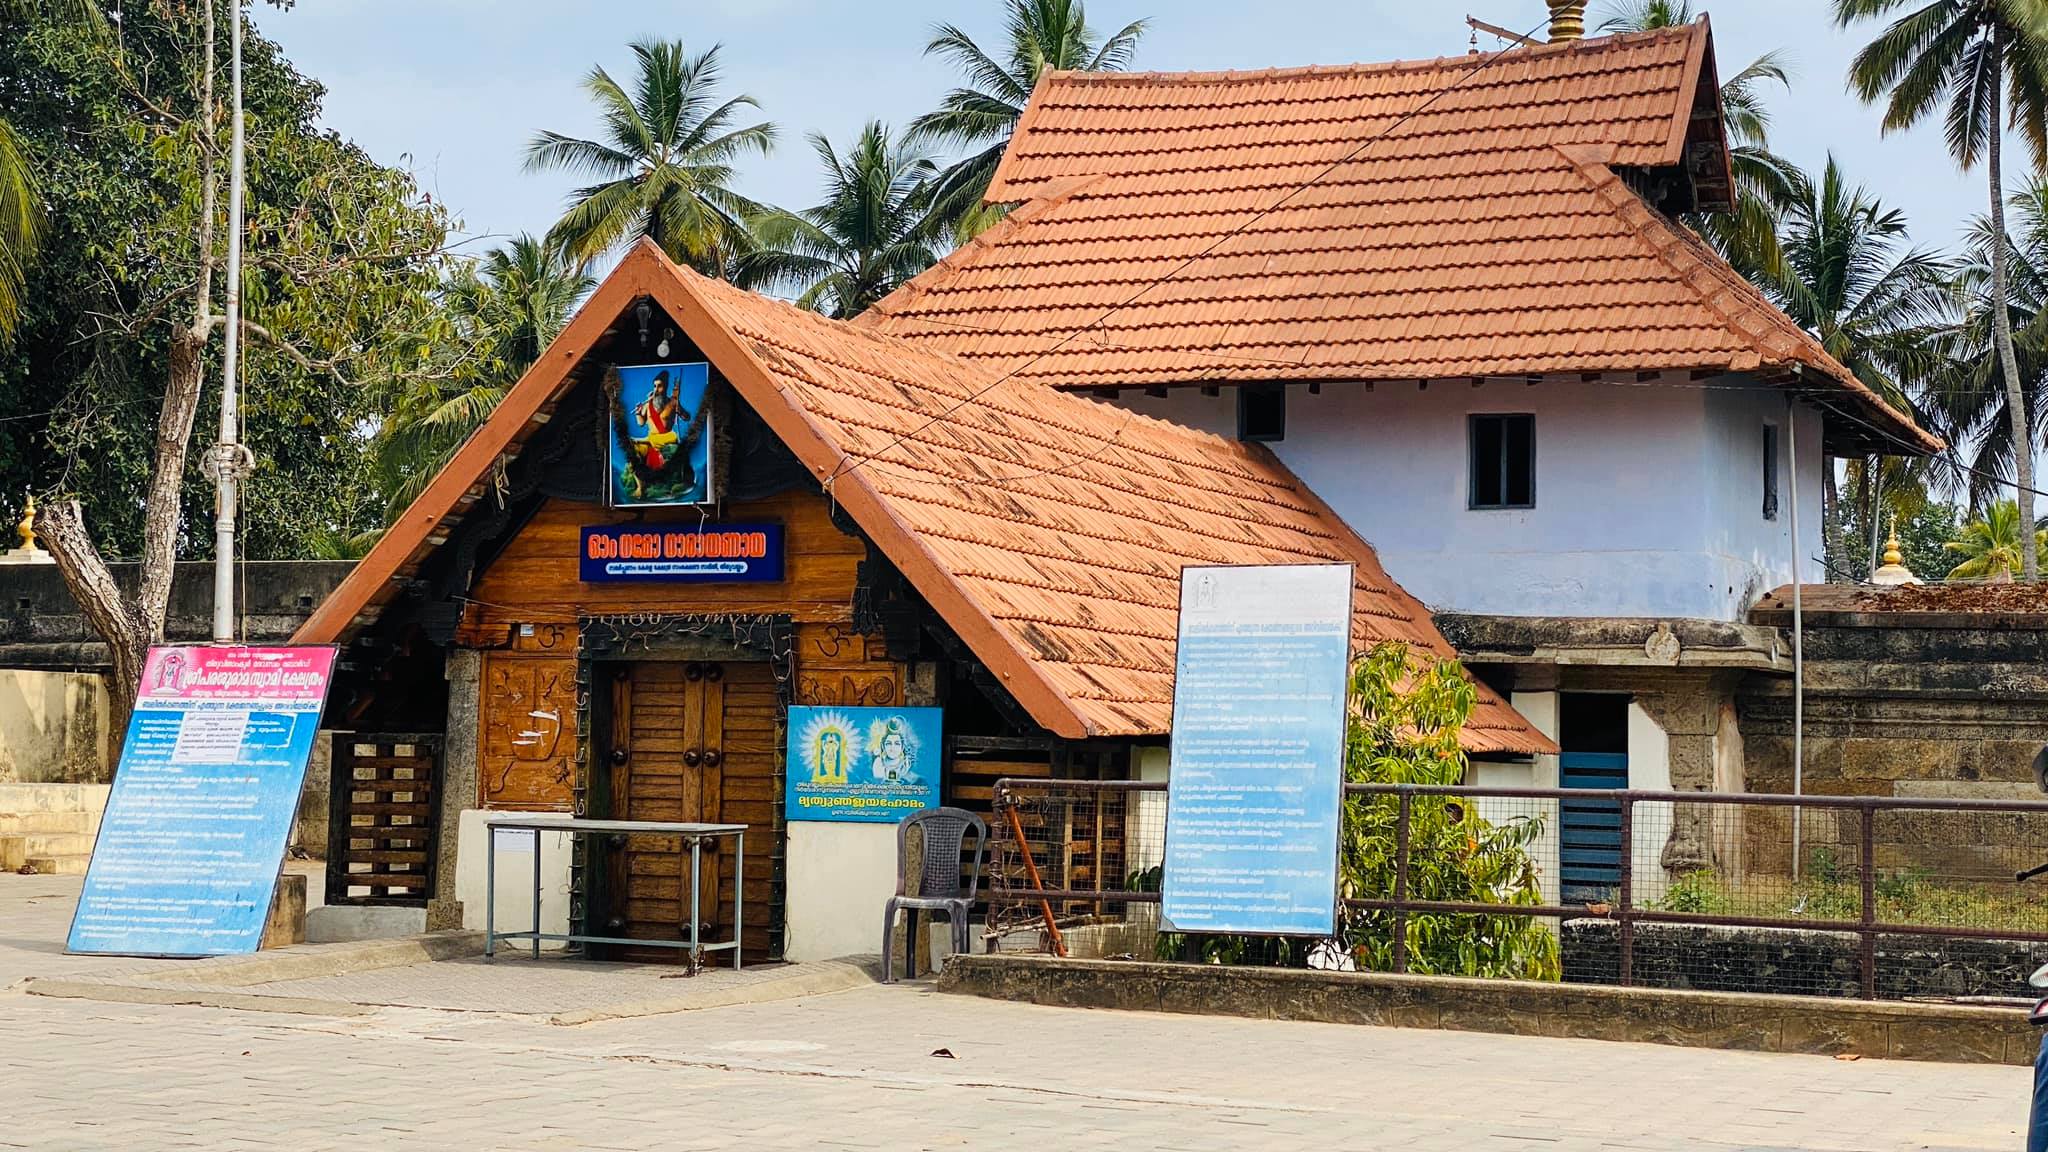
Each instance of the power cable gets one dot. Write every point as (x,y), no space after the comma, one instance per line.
(850,463)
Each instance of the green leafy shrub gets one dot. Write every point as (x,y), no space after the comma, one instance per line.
(1406,713)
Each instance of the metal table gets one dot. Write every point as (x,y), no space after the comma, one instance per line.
(694,834)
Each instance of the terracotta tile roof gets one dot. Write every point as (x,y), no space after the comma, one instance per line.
(1449,218)
(1047,529)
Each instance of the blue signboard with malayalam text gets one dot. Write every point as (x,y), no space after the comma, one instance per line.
(861,764)
(680,553)
(196,823)
(1256,779)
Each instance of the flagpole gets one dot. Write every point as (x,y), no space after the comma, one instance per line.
(229,454)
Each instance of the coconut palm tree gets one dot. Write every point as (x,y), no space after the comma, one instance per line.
(21,208)
(1969,403)
(501,314)
(1963,58)
(665,163)
(1040,36)
(874,230)
(1765,182)
(1878,306)
(21,227)
(1991,545)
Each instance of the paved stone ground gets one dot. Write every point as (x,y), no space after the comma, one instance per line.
(857,1070)
(516,982)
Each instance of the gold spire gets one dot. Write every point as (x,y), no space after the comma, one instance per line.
(1567,19)
(1894,570)
(26,530)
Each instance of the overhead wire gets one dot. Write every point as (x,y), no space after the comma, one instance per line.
(852,462)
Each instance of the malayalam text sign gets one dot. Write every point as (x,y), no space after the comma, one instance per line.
(202,803)
(1257,774)
(681,554)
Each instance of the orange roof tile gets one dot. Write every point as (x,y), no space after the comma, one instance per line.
(1048,530)
(1448,218)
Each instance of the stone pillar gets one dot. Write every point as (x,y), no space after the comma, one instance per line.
(458,781)
(1689,711)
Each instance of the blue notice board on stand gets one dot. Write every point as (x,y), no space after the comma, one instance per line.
(196,824)
(1256,781)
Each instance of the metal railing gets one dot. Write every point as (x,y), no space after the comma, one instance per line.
(1886,897)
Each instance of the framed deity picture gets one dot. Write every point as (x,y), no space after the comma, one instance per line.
(862,764)
(660,435)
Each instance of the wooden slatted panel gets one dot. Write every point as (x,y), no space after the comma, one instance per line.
(383,815)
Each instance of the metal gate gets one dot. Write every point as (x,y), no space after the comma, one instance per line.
(1589,830)
(384,818)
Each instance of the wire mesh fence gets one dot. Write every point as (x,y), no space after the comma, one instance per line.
(1875,897)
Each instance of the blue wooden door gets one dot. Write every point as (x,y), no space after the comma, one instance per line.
(1589,830)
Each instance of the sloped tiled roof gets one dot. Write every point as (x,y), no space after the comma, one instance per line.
(1049,531)
(1449,218)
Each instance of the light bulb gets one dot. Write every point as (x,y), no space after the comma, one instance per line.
(661,349)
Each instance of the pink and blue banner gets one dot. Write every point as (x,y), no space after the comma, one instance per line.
(202,803)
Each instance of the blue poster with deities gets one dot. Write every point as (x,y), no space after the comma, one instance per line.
(861,764)
(1256,779)
(202,804)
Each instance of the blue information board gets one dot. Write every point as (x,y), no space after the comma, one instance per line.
(1256,781)
(202,804)
(861,764)
(681,553)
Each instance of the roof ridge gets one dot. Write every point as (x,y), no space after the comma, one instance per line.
(1435,64)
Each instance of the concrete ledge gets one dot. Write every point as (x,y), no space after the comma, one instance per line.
(298,962)
(1741,1021)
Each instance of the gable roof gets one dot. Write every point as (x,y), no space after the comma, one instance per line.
(1048,531)
(1460,217)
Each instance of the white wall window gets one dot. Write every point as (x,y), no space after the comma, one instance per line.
(1770,471)
(1503,450)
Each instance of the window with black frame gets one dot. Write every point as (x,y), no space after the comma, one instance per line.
(1503,452)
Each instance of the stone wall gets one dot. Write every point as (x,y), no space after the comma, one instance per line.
(1794,962)
(1960,1033)
(53,728)
(1905,704)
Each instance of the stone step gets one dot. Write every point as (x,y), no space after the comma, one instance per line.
(23,799)
(50,823)
(69,864)
(18,848)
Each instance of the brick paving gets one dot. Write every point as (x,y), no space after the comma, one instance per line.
(857,1070)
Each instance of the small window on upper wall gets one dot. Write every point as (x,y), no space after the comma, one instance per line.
(1770,471)
(1503,460)
(1262,412)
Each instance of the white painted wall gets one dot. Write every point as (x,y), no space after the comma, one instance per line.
(1540,709)
(1649,500)
(1649,768)
(839,877)
(515,876)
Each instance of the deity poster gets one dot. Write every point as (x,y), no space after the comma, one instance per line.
(660,421)
(864,764)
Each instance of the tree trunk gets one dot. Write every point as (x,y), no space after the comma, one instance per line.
(2001,328)
(1876,511)
(60,527)
(1831,521)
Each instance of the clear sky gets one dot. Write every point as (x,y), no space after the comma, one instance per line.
(455,88)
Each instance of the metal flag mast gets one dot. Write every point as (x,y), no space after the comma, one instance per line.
(230,459)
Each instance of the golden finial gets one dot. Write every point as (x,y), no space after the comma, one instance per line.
(1894,570)
(1567,19)
(26,530)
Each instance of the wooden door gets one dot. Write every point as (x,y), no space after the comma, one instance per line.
(699,739)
